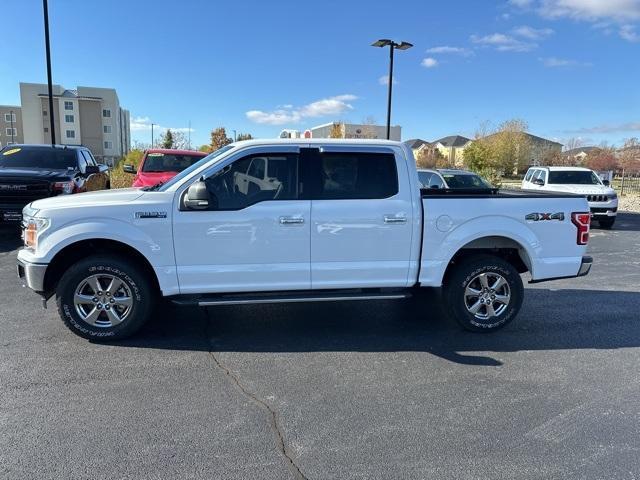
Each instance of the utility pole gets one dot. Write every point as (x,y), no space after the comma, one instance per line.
(49,83)
(152,135)
(189,135)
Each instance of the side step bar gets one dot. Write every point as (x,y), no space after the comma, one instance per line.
(262,298)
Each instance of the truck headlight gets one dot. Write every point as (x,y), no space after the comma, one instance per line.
(32,227)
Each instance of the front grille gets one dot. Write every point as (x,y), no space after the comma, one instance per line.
(21,191)
(597,198)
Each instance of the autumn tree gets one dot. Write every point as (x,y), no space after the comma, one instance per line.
(510,146)
(430,157)
(219,138)
(337,130)
(629,156)
(602,159)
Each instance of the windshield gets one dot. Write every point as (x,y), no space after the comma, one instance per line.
(189,170)
(465,180)
(165,162)
(574,177)
(50,159)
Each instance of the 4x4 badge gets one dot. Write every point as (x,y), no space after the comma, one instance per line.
(536,217)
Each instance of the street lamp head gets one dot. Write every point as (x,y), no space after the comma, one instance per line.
(383,42)
(404,46)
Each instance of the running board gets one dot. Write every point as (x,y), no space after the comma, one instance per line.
(262,298)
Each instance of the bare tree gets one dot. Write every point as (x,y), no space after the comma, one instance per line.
(369,127)
(629,155)
(337,130)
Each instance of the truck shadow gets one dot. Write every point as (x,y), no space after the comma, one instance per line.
(625,222)
(549,320)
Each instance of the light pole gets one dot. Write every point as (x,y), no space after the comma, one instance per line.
(392,46)
(49,83)
(152,134)
(12,114)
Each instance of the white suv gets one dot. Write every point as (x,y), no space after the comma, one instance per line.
(603,200)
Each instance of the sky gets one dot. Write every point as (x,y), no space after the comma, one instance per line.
(569,68)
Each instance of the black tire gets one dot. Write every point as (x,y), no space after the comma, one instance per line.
(467,273)
(607,224)
(80,277)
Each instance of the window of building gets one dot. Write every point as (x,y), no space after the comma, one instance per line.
(106,113)
(108,145)
(46,129)
(44,113)
(106,128)
(351,175)
(71,134)
(69,118)
(10,117)
(68,105)
(11,132)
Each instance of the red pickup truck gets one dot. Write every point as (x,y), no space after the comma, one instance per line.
(160,165)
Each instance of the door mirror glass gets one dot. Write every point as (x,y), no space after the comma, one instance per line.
(606,183)
(92,169)
(126,168)
(197,197)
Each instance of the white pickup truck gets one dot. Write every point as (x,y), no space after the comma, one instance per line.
(291,221)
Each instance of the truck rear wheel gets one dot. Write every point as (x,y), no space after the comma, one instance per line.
(483,293)
(104,297)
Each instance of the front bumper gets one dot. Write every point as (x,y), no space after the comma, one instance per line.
(32,274)
(604,209)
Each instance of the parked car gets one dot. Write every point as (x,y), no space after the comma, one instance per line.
(31,172)
(159,165)
(348,221)
(603,200)
(450,178)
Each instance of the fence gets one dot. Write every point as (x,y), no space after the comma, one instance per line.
(627,183)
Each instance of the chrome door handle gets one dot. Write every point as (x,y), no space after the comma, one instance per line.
(392,219)
(291,220)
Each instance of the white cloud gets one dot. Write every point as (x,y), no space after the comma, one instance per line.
(503,43)
(628,32)
(429,62)
(141,124)
(591,10)
(532,33)
(384,80)
(446,49)
(554,62)
(289,114)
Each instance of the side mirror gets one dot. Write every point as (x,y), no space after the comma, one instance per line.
(539,182)
(126,168)
(197,197)
(92,169)
(435,186)
(606,183)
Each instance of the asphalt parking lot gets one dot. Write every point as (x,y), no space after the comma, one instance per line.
(348,390)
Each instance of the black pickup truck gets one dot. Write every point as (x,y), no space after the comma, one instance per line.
(31,172)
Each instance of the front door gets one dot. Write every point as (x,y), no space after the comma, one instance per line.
(362,221)
(255,234)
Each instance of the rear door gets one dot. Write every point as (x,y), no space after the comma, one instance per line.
(361,217)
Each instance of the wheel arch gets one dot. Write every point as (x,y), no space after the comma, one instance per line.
(76,251)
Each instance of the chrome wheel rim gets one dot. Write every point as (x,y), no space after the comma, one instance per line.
(487,296)
(103,300)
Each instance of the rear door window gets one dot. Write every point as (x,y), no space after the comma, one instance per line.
(351,175)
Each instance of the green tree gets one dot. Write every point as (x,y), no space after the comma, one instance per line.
(219,138)
(244,136)
(204,148)
(167,139)
(430,157)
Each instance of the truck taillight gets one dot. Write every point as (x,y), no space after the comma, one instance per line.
(582,221)
(64,187)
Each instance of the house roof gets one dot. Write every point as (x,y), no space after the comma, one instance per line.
(453,141)
(415,143)
(576,151)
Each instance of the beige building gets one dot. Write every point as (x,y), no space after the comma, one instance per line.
(452,148)
(10,125)
(86,116)
(347,130)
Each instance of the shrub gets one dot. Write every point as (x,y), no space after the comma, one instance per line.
(120,179)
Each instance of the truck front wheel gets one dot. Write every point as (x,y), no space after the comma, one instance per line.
(483,293)
(104,297)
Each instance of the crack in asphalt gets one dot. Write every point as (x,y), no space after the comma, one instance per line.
(273,415)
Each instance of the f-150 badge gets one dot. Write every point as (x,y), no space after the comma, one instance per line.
(151,214)
(536,217)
